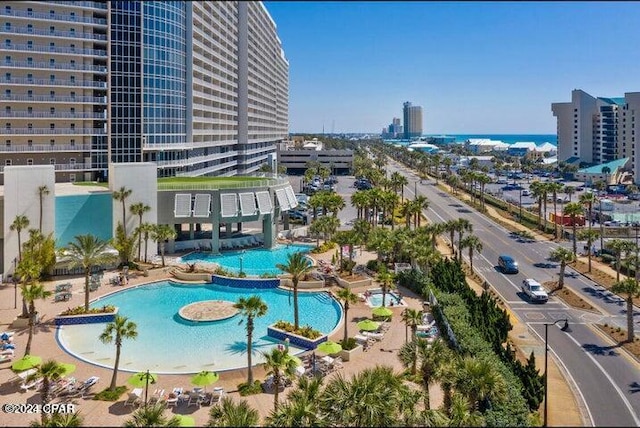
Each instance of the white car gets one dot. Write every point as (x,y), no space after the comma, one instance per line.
(534,290)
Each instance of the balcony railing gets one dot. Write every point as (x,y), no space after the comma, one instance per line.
(194,160)
(53,16)
(92,100)
(39,32)
(48,115)
(55,131)
(55,82)
(53,50)
(55,66)
(91,4)
(67,167)
(45,148)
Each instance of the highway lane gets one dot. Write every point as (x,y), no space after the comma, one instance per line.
(606,381)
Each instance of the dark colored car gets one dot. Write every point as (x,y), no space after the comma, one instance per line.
(507,264)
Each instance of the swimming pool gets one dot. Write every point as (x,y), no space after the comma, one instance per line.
(256,261)
(374,299)
(166,343)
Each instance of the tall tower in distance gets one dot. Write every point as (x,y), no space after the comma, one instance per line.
(412,121)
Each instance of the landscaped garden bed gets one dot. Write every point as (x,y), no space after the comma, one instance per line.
(78,315)
(305,337)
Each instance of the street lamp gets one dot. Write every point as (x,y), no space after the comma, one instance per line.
(566,329)
(15,284)
(601,227)
(636,226)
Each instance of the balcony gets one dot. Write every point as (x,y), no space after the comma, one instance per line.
(45,148)
(47,115)
(55,131)
(53,50)
(56,82)
(70,34)
(83,4)
(44,98)
(193,160)
(56,66)
(53,17)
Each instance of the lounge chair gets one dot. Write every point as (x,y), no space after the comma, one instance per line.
(157,396)
(86,386)
(194,399)
(63,296)
(134,398)
(375,336)
(172,399)
(34,384)
(63,287)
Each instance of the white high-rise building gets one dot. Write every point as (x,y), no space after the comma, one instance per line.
(598,130)
(199,88)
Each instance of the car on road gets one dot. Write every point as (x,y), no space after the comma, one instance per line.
(507,264)
(534,290)
(526,192)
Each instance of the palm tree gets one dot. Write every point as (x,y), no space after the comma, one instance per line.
(619,246)
(250,308)
(554,188)
(298,266)
(87,252)
(588,199)
(151,416)
(49,371)
(421,203)
(569,191)
(398,181)
(229,414)
(31,292)
(116,331)
(590,236)
(412,319)
(278,363)
(42,192)
(121,196)
(162,233)
(473,243)
(451,226)
(145,230)
(462,413)
(139,208)
(480,381)
(563,256)
(386,281)
(631,289)
(302,407)
(347,298)
(60,420)
(606,171)
(20,223)
(573,210)
(537,191)
(462,225)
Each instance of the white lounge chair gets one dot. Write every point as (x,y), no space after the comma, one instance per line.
(371,335)
(194,399)
(34,384)
(134,398)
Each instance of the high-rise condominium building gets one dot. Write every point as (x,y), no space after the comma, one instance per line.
(598,130)
(200,88)
(412,121)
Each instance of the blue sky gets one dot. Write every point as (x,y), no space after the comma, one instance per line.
(485,67)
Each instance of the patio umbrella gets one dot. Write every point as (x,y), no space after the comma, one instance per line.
(143,379)
(68,369)
(185,421)
(368,325)
(382,312)
(205,378)
(297,360)
(329,347)
(25,363)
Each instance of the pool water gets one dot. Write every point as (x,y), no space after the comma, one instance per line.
(167,343)
(255,262)
(375,299)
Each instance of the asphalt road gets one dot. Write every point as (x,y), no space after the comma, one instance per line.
(608,381)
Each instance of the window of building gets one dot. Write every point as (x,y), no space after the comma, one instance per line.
(52,29)
(30,110)
(52,142)
(7,9)
(7,109)
(7,93)
(7,126)
(73,142)
(73,63)
(52,110)
(30,77)
(73,94)
(30,161)
(72,31)
(7,26)
(73,16)
(52,77)
(73,126)
(52,12)
(29,11)
(29,143)
(52,126)
(73,47)
(8,143)
(7,76)
(52,62)
(72,178)
(7,59)
(29,28)
(72,161)
(73,110)
(52,94)
(29,44)
(52,161)
(73,79)
(30,125)
(52,46)
(7,162)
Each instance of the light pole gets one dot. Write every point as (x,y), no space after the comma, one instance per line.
(636,226)
(415,189)
(241,258)
(566,329)
(15,284)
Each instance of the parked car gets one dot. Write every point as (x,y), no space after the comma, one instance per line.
(534,290)
(297,215)
(525,192)
(507,264)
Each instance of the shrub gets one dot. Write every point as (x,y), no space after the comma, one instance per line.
(607,258)
(305,331)
(324,247)
(246,389)
(79,310)
(375,265)
(108,395)
(349,344)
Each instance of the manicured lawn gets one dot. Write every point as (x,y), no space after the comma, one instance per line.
(210,182)
(91,183)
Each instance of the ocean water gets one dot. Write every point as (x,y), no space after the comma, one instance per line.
(506,138)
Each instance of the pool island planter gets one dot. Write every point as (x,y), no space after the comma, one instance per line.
(285,281)
(346,355)
(191,276)
(86,318)
(345,283)
(294,339)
